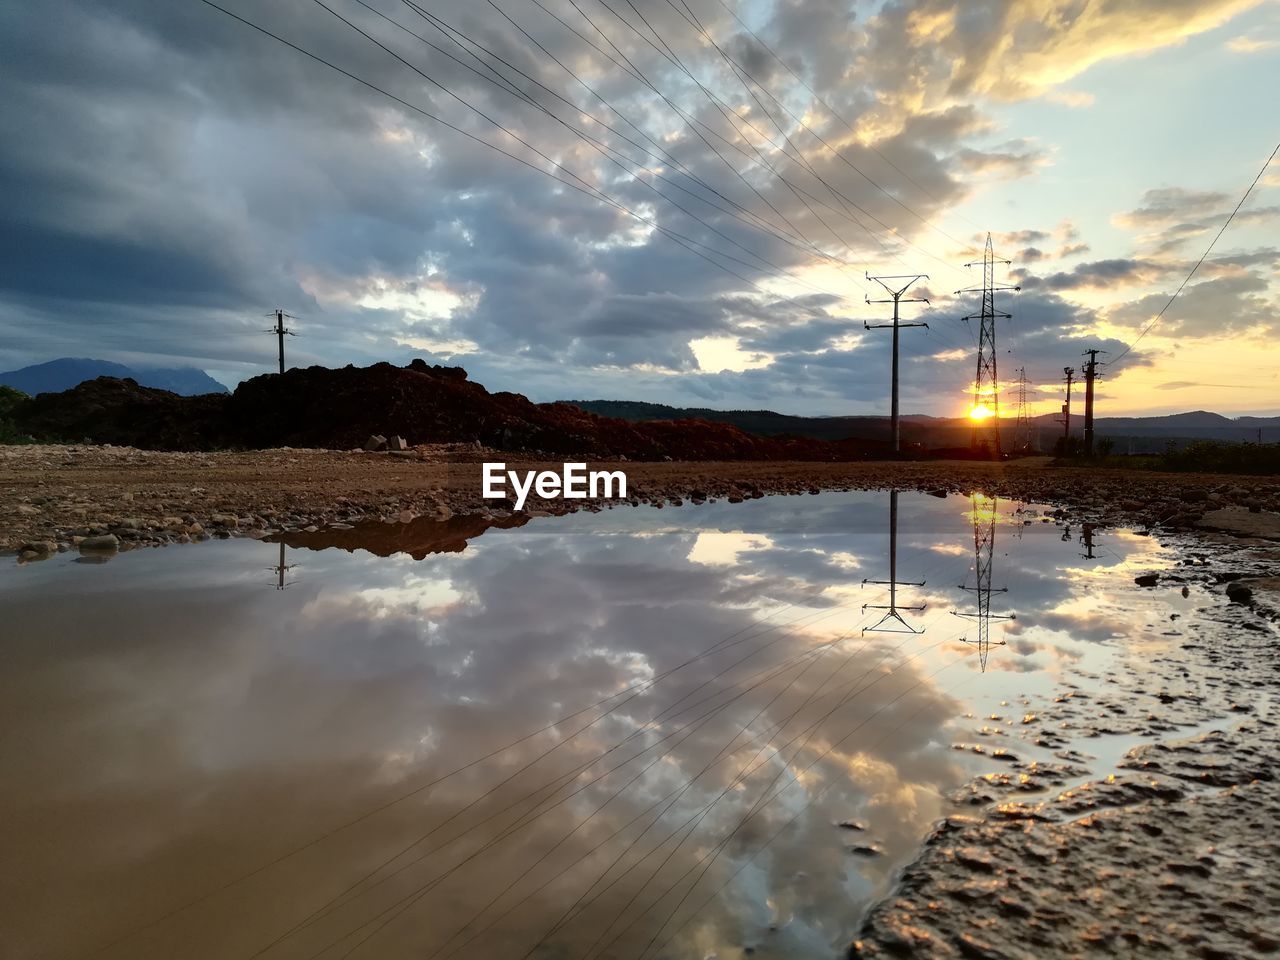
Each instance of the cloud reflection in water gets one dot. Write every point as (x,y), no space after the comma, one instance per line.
(173,722)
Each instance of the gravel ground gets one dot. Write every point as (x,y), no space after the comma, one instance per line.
(57,494)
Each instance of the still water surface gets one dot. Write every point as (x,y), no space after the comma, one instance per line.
(627,734)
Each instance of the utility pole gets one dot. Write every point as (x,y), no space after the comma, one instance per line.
(280,331)
(1022,431)
(1090,375)
(892,583)
(984,541)
(1066,411)
(987,381)
(896,292)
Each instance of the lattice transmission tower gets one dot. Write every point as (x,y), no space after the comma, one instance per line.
(986,383)
(1023,436)
(984,540)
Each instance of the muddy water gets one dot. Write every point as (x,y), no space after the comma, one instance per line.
(712,730)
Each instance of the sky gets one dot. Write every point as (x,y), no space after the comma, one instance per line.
(668,200)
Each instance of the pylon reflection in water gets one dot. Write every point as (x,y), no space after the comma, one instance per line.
(983,511)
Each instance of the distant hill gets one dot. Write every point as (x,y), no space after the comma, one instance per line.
(1135,434)
(765,423)
(58,375)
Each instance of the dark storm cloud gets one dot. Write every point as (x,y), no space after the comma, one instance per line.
(1098,275)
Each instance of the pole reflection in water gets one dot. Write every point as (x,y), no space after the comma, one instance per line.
(1086,539)
(892,609)
(983,511)
(281,569)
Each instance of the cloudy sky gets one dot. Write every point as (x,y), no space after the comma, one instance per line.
(691,195)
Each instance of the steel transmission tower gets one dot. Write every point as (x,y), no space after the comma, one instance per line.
(1022,436)
(896,292)
(892,609)
(984,541)
(986,384)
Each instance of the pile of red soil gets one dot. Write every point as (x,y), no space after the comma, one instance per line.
(340,409)
(108,410)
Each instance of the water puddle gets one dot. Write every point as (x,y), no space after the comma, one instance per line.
(707,731)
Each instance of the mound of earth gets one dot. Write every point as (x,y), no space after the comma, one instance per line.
(124,413)
(340,409)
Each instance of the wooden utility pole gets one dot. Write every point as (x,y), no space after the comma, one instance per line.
(896,297)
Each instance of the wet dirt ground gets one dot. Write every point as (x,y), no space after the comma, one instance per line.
(1172,855)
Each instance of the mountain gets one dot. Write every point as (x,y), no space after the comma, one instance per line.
(58,375)
(1131,434)
(764,423)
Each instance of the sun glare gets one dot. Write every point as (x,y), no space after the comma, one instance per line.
(980,413)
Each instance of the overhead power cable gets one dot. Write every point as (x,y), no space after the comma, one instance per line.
(496,78)
(1218,236)
(580,186)
(732,118)
(832,110)
(740,72)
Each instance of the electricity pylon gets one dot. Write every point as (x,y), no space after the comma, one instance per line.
(984,540)
(1022,437)
(987,381)
(896,297)
(280,331)
(892,609)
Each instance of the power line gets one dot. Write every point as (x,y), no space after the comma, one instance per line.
(581,186)
(831,110)
(692,122)
(800,120)
(732,118)
(1218,236)
(592,190)
(557,783)
(662,156)
(728,115)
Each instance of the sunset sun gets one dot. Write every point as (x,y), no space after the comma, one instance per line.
(981,412)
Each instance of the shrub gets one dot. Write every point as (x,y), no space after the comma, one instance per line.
(10,399)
